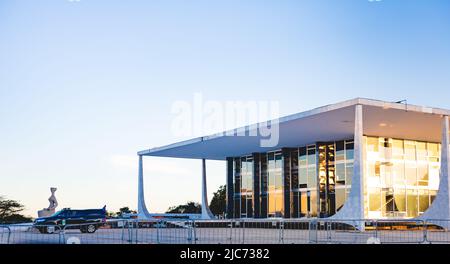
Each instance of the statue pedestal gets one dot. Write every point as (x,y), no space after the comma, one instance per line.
(45,212)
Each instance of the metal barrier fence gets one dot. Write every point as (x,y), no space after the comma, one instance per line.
(235,231)
(437,231)
(342,232)
(29,234)
(121,232)
(401,231)
(5,233)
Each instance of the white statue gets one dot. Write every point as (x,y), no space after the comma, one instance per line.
(52,206)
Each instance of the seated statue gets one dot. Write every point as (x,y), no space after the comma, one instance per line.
(52,206)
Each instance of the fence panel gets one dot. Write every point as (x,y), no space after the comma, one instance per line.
(235,231)
(174,232)
(437,231)
(401,231)
(343,231)
(261,231)
(216,232)
(5,233)
(144,231)
(39,234)
(295,232)
(117,232)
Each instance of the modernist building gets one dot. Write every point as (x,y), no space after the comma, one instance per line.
(351,160)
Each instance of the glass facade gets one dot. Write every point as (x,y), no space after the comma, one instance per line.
(275,184)
(335,171)
(307,185)
(308,181)
(243,187)
(401,177)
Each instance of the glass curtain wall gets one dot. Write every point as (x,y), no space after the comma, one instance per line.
(324,178)
(335,172)
(247,187)
(263,185)
(344,171)
(275,184)
(327,180)
(243,187)
(295,194)
(401,177)
(319,177)
(237,187)
(307,181)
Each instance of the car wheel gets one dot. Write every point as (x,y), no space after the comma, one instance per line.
(49,230)
(41,230)
(91,228)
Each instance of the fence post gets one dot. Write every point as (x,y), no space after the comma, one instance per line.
(328,226)
(188,226)
(425,231)
(137,231)
(281,232)
(62,235)
(158,226)
(9,233)
(194,230)
(231,231)
(188,232)
(313,231)
(376,228)
(123,230)
(130,232)
(243,231)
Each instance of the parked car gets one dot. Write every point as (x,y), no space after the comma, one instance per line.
(87,220)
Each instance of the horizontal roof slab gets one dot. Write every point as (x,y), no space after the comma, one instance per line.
(332,122)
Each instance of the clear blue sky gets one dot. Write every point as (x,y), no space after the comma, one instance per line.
(85,85)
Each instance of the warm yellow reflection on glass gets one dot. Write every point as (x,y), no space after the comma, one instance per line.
(401,176)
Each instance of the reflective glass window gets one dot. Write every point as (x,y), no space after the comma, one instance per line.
(409,176)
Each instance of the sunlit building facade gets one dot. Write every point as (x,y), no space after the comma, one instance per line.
(401,179)
(401,176)
(358,159)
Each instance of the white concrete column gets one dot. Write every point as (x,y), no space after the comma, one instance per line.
(206,212)
(358,165)
(353,208)
(440,208)
(142,208)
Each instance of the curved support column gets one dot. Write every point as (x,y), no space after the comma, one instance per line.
(353,208)
(440,208)
(206,212)
(142,208)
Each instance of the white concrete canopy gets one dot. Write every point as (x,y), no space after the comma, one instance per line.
(327,123)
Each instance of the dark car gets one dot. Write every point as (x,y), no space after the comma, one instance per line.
(87,220)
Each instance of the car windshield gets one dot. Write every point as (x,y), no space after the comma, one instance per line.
(57,213)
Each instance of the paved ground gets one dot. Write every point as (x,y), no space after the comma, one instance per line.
(218,236)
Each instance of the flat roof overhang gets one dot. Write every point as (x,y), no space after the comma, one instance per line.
(327,123)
